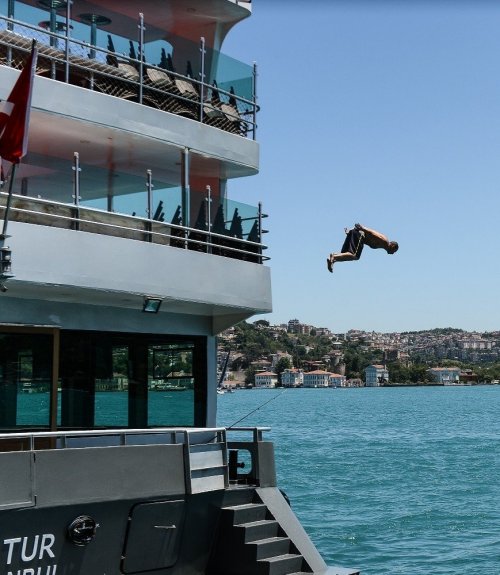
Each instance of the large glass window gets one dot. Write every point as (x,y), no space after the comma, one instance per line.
(171,387)
(130,380)
(25,380)
(106,380)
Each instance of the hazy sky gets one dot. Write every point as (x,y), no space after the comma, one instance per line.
(387,114)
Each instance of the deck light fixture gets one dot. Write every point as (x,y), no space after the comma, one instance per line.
(151,304)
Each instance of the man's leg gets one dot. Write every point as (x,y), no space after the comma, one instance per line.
(351,249)
(353,245)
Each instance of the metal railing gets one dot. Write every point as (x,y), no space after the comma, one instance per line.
(56,214)
(169,435)
(161,435)
(206,450)
(72,61)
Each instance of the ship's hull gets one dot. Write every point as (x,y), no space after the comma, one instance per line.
(171,501)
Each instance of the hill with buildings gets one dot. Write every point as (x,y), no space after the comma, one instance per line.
(253,353)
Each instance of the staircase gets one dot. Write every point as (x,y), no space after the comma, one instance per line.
(251,542)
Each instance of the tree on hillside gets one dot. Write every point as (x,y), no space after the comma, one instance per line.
(250,375)
(282,364)
(398,373)
(419,374)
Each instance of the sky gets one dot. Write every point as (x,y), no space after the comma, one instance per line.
(385,113)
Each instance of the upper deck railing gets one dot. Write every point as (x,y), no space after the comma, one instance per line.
(223,96)
(202,222)
(225,238)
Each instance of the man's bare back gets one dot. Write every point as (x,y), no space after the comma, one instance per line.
(374,239)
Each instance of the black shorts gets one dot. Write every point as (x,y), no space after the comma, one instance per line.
(354,243)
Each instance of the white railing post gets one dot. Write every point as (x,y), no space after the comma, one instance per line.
(202,76)
(141,54)
(208,199)
(76,188)
(254,100)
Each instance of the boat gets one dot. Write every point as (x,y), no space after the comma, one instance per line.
(167,387)
(123,258)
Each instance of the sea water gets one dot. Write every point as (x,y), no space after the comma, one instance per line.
(396,481)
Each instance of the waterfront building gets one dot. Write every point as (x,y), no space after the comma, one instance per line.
(468,376)
(292,378)
(445,375)
(337,380)
(317,378)
(376,375)
(266,379)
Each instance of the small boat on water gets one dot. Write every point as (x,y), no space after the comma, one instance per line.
(123,259)
(166,387)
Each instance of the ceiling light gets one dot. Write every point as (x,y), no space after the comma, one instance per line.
(151,304)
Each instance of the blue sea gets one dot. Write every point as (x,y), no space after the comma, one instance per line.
(396,481)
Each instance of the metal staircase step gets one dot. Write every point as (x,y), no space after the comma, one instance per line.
(270,547)
(238,496)
(280,565)
(256,530)
(247,512)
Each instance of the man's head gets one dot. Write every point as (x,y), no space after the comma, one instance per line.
(392,248)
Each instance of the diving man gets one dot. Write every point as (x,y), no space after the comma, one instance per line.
(356,239)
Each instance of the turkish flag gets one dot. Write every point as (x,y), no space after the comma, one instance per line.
(15,113)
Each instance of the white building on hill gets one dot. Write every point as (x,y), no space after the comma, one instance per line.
(292,378)
(445,375)
(376,375)
(317,378)
(266,379)
(337,380)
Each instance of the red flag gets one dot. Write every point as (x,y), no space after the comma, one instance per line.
(15,113)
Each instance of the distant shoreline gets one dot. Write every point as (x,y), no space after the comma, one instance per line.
(482,384)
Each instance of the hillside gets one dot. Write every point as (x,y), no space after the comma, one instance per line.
(259,346)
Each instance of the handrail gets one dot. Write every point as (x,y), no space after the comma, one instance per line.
(216,433)
(256,431)
(93,432)
(209,241)
(122,434)
(215,437)
(239,118)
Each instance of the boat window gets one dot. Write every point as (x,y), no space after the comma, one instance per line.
(134,380)
(111,406)
(170,384)
(25,380)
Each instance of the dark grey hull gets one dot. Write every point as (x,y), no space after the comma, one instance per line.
(149,509)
